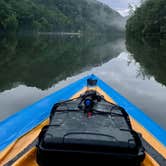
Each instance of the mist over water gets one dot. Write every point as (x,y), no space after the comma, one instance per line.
(34,67)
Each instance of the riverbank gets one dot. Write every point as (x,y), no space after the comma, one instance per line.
(60,33)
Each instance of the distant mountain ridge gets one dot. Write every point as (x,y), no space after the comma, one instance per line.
(59,15)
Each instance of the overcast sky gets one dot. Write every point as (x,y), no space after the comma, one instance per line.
(121,5)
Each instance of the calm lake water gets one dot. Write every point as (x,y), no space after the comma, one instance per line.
(34,67)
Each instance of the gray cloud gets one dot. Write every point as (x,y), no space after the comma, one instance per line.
(120,5)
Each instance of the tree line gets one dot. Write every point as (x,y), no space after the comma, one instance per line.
(55,15)
(148,20)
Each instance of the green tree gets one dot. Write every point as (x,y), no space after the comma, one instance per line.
(36,25)
(148,19)
(11,23)
(57,15)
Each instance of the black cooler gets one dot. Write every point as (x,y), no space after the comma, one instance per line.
(89,129)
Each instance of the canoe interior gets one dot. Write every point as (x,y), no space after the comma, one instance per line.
(17,142)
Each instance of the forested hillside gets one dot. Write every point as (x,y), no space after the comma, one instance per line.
(149,19)
(58,15)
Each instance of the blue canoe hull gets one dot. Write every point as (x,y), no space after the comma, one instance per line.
(27,119)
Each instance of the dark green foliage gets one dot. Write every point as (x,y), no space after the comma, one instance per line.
(57,15)
(28,15)
(149,19)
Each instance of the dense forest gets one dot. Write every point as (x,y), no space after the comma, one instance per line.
(148,19)
(58,16)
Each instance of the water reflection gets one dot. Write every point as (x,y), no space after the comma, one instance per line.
(41,61)
(122,73)
(30,66)
(151,54)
